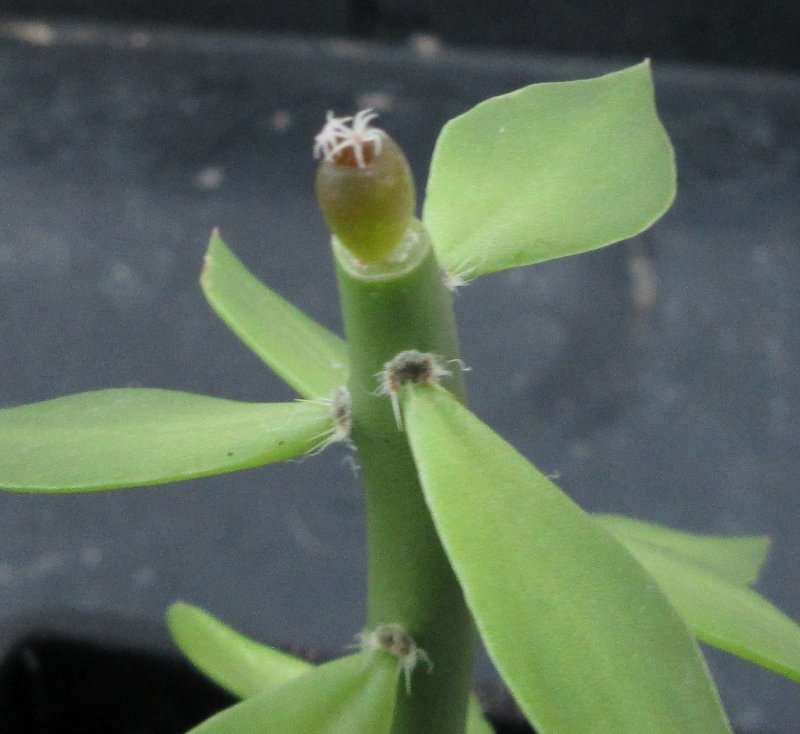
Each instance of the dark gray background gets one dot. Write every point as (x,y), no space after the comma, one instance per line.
(760,33)
(657,377)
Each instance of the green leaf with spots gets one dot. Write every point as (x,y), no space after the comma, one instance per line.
(133,437)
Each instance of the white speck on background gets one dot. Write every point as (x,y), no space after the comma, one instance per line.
(644,285)
(37,34)
(281,121)
(380,101)
(43,565)
(121,272)
(144,576)
(139,39)
(91,557)
(209,178)
(425,45)
(304,538)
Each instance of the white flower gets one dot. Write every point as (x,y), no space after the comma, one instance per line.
(355,133)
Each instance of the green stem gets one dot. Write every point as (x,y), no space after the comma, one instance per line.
(387,309)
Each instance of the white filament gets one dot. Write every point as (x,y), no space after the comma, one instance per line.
(341,133)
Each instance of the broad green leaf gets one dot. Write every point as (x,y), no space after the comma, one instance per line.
(582,635)
(242,666)
(352,695)
(132,437)
(736,559)
(721,612)
(246,667)
(302,352)
(547,171)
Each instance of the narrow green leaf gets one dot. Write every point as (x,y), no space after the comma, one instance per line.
(246,667)
(132,437)
(721,612)
(302,352)
(547,171)
(582,635)
(736,559)
(242,666)
(352,695)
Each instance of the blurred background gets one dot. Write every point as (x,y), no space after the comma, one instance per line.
(657,377)
(739,32)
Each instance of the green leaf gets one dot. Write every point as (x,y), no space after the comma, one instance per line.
(246,667)
(302,352)
(352,695)
(737,559)
(702,576)
(132,437)
(240,665)
(721,612)
(582,635)
(547,171)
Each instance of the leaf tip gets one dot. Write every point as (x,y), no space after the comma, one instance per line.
(214,241)
(176,608)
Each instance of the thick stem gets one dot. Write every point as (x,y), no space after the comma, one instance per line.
(403,305)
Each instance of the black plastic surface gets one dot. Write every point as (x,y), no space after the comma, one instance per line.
(70,687)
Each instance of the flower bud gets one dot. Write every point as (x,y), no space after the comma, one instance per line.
(364,186)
